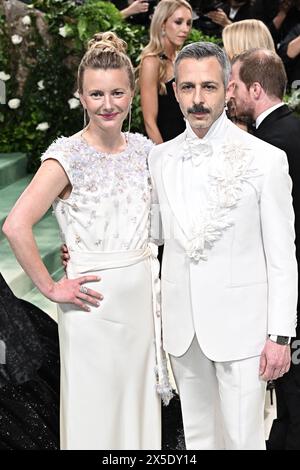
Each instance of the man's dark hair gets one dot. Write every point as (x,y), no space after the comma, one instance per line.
(266,68)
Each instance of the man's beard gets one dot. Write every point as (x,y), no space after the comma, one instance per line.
(244,111)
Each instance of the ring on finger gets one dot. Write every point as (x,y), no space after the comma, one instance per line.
(83,289)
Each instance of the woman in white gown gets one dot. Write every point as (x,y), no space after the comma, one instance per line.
(98,182)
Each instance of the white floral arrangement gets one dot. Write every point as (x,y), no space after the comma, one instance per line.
(293,101)
(14,103)
(16,39)
(42,126)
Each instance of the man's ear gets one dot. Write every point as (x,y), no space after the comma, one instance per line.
(256,90)
(175,90)
(229,92)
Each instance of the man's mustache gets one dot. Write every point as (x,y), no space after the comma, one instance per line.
(198,108)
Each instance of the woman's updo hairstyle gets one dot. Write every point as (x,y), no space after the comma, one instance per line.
(105,51)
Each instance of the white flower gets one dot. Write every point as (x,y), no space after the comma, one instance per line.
(41,85)
(16,39)
(42,126)
(65,30)
(4,76)
(76,94)
(14,103)
(294,100)
(26,20)
(73,103)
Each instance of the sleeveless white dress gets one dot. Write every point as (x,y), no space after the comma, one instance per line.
(108,383)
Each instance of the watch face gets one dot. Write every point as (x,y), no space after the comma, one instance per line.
(284,340)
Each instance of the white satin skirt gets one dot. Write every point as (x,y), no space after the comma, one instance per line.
(108,395)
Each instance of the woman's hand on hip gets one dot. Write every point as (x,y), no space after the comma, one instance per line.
(74,291)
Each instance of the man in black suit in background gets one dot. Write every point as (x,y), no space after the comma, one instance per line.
(258,85)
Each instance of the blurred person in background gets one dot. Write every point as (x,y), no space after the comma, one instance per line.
(170,27)
(289,51)
(239,37)
(258,86)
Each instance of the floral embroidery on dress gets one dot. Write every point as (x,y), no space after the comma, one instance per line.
(231,170)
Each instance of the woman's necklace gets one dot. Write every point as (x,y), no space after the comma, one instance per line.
(106,154)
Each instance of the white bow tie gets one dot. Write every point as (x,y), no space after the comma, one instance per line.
(198,150)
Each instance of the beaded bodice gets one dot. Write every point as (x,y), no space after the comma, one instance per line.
(109,206)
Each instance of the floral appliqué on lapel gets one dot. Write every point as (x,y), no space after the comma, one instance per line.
(231,169)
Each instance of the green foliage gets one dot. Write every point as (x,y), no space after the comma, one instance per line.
(196,36)
(3,40)
(94,16)
(51,72)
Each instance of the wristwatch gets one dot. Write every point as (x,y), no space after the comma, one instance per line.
(283,340)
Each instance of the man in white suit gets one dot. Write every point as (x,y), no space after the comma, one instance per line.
(229,274)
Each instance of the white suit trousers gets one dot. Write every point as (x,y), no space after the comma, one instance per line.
(222,402)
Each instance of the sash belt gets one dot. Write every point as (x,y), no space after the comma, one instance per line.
(85,262)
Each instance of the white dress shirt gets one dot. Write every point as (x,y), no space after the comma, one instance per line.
(196,185)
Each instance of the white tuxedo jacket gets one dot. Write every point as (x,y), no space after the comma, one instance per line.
(232,280)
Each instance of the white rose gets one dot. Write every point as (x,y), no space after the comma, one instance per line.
(26,20)
(76,94)
(16,39)
(14,103)
(73,103)
(42,126)
(65,31)
(41,85)
(4,76)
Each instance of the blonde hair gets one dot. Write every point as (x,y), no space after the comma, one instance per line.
(105,51)
(244,35)
(155,47)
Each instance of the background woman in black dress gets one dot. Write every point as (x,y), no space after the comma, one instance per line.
(170,26)
(29,376)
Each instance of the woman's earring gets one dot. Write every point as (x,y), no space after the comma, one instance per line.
(85,118)
(163,33)
(129,122)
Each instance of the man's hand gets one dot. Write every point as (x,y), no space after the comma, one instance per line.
(219,17)
(275,360)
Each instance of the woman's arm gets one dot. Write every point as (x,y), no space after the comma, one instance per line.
(135,7)
(49,182)
(283,9)
(293,49)
(148,81)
